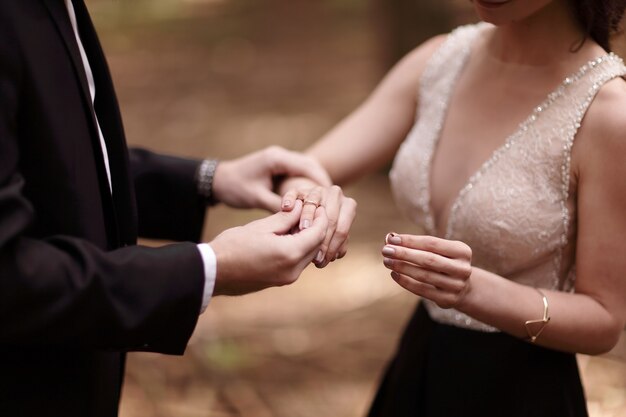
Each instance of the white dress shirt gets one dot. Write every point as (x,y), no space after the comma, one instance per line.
(207,253)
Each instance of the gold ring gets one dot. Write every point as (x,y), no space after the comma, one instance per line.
(315,203)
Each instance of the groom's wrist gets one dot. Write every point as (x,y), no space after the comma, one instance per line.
(205,179)
(210,273)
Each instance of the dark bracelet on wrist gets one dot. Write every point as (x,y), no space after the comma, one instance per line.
(204,180)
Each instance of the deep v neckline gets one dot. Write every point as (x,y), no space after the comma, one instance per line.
(500,150)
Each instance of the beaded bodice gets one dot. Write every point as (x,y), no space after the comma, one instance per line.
(517,212)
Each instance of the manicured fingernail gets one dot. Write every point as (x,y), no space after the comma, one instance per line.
(393,238)
(305,224)
(395,275)
(388,251)
(286,204)
(319,257)
(387,262)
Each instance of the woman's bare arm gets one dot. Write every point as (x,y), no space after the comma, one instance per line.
(369,137)
(362,143)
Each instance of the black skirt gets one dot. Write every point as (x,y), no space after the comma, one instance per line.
(447,371)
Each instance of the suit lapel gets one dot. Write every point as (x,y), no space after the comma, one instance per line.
(59,14)
(107,109)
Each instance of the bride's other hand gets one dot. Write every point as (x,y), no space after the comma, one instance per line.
(340,210)
(433,268)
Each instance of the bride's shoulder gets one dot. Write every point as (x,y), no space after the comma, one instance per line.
(403,78)
(602,135)
(405,75)
(446,45)
(420,56)
(606,116)
(417,59)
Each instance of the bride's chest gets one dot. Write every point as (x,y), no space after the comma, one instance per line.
(504,200)
(475,126)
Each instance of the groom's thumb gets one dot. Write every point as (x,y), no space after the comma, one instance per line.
(312,237)
(284,221)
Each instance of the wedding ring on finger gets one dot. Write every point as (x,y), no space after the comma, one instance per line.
(315,203)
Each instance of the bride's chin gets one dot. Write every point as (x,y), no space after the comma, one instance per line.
(492,11)
(494,17)
(491,4)
(494,20)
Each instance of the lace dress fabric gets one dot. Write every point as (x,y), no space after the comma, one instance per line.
(517,212)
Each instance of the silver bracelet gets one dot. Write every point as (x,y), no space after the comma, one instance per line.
(204,180)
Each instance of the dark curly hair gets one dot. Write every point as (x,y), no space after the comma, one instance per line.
(599,19)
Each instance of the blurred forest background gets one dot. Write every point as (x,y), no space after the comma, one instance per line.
(224,77)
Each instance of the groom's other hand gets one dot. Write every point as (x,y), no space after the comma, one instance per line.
(265,253)
(248,182)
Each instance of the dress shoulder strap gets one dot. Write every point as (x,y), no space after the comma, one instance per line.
(443,68)
(446,63)
(584,86)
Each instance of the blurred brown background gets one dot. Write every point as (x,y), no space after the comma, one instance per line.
(224,77)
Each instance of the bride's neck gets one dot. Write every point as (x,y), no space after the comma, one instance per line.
(541,39)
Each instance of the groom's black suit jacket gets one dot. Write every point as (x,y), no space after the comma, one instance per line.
(75,291)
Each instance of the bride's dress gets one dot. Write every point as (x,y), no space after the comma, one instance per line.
(518,214)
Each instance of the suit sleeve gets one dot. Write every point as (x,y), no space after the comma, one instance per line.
(65,291)
(168,203)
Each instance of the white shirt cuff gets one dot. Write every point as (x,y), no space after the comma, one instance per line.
(210,272)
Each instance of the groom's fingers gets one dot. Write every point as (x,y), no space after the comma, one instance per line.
(284,221)
(268,200)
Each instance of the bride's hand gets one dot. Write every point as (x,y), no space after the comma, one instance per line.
(433,268)
(340,210)
(248,181)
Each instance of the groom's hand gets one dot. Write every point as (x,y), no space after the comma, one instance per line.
(248,182)
(264,253)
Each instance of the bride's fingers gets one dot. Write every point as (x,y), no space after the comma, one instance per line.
(312,200)
(289,200)
(448,248)
(440,281)
(416,287)
(341,252)
(441,298)
(429,261)
(338,244)
(332,204)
